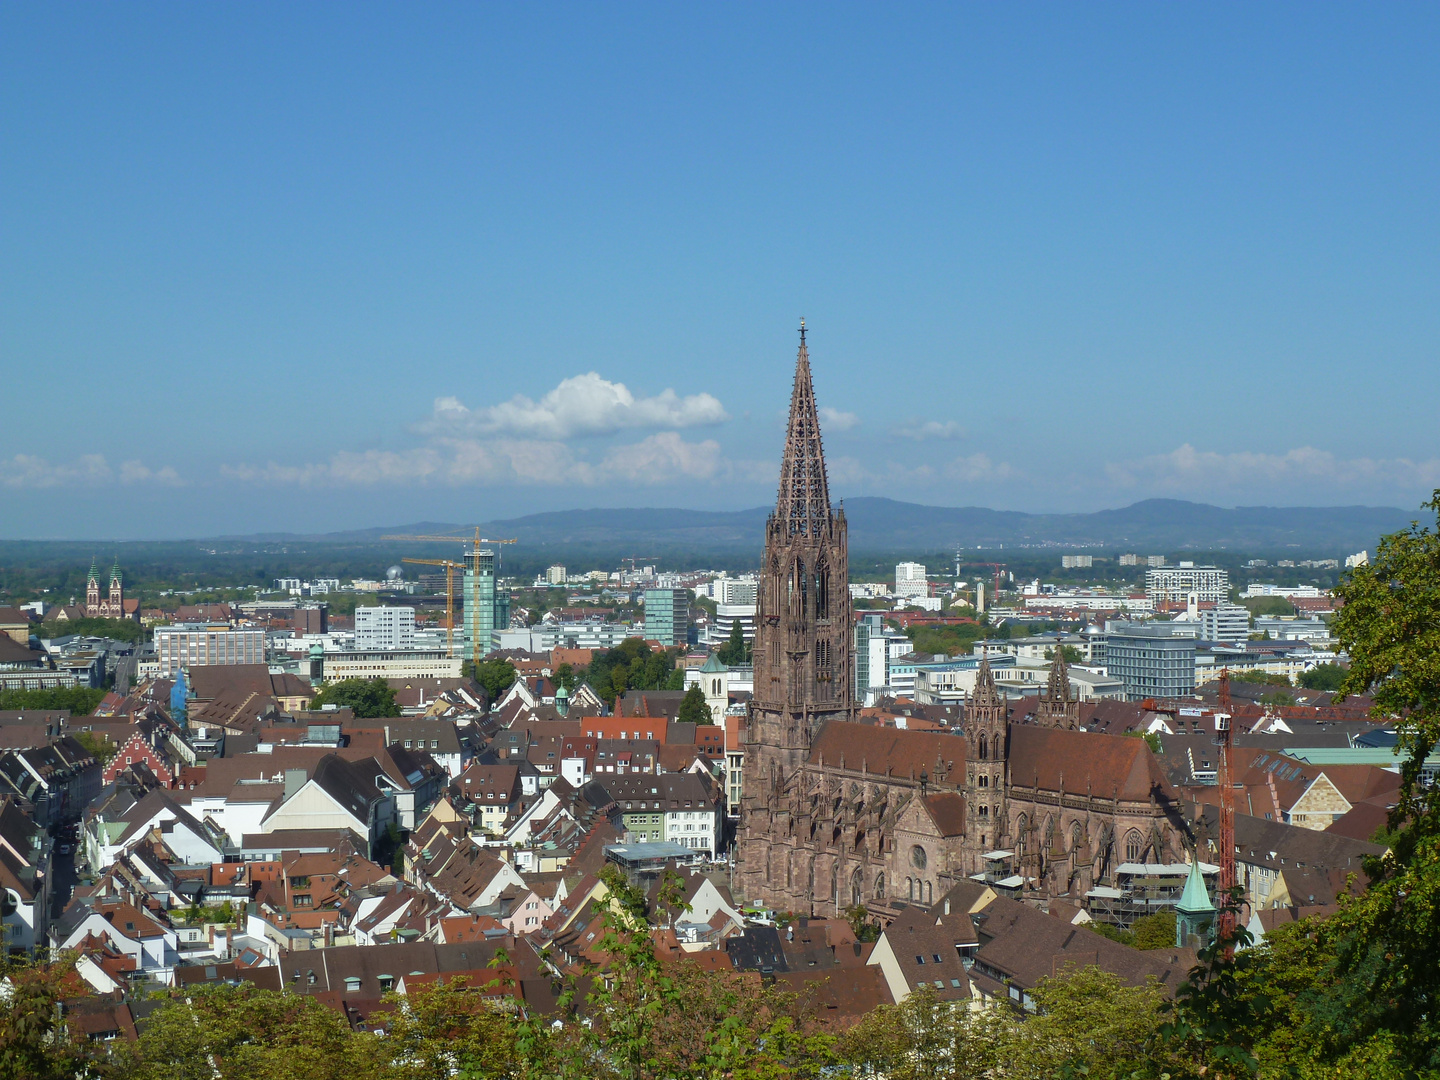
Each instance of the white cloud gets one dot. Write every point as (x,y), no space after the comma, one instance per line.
(930,429)
(661,458)
(29,471)
(581,405)
(1187,468)
(978,468)
(835,420)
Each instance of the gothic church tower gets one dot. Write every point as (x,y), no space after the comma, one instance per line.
(803,637)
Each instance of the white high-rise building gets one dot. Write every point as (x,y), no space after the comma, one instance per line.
(384,628)
(1174,584)
(555,575)
(910,579)
(1226,622)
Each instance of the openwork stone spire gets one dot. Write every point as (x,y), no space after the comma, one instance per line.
(1058,686)
(803,504)
(986,695)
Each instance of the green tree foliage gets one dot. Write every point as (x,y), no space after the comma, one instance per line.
(80,700)
(1260,678)
(119,629)
(1070,652)
(100,748)
(496,675)
(693,709)
(633,665)
(1266,605)
(1323,677)
(368,697)
(33,1043)
(736,650)
(565,676)
(1155,931)
(949,639)
(1388,946)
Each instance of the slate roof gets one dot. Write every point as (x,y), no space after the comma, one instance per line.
(1024,945)
(1050,759)
(882,750)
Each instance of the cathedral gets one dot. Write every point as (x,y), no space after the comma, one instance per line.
(837,813)
(111,606)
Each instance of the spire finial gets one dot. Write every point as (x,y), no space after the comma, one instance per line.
(802,329)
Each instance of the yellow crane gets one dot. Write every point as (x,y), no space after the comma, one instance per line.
(475,543)
(450,567)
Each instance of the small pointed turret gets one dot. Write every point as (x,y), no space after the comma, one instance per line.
(1195,913)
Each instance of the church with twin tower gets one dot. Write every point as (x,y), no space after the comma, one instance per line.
(837,813)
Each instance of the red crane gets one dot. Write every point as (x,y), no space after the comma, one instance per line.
(996,567)
(1225,739)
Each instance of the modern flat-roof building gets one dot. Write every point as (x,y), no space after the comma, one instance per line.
(1225,622)
(205,644)
(1174,584)
(384,628)
(667,616)
(485,609)
(1149,660)
(910,579)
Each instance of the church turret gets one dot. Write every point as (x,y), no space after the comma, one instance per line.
(1057,708)
(1195,913)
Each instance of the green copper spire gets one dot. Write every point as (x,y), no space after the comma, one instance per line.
(94,569)
(115,570)
(1194,914)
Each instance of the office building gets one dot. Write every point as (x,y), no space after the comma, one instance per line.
(204,644)
(727,615)
(485,609)
(1150,660)
(734,590)
(667,616)
(387,628)
(1225,622)
(1174,584)
(910,579)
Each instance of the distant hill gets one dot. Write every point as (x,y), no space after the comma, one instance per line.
(880,525)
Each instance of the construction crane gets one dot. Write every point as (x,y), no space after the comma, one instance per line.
(995,566)
(450,567)
(632,559)
(475,542)
(1225,740)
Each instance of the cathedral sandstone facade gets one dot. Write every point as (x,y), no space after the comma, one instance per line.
(837,813)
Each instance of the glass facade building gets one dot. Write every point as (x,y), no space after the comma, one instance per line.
(1150,661)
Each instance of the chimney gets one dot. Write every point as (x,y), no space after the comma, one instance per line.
(294,781)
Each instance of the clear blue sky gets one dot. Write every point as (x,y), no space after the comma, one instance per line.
(321,266)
